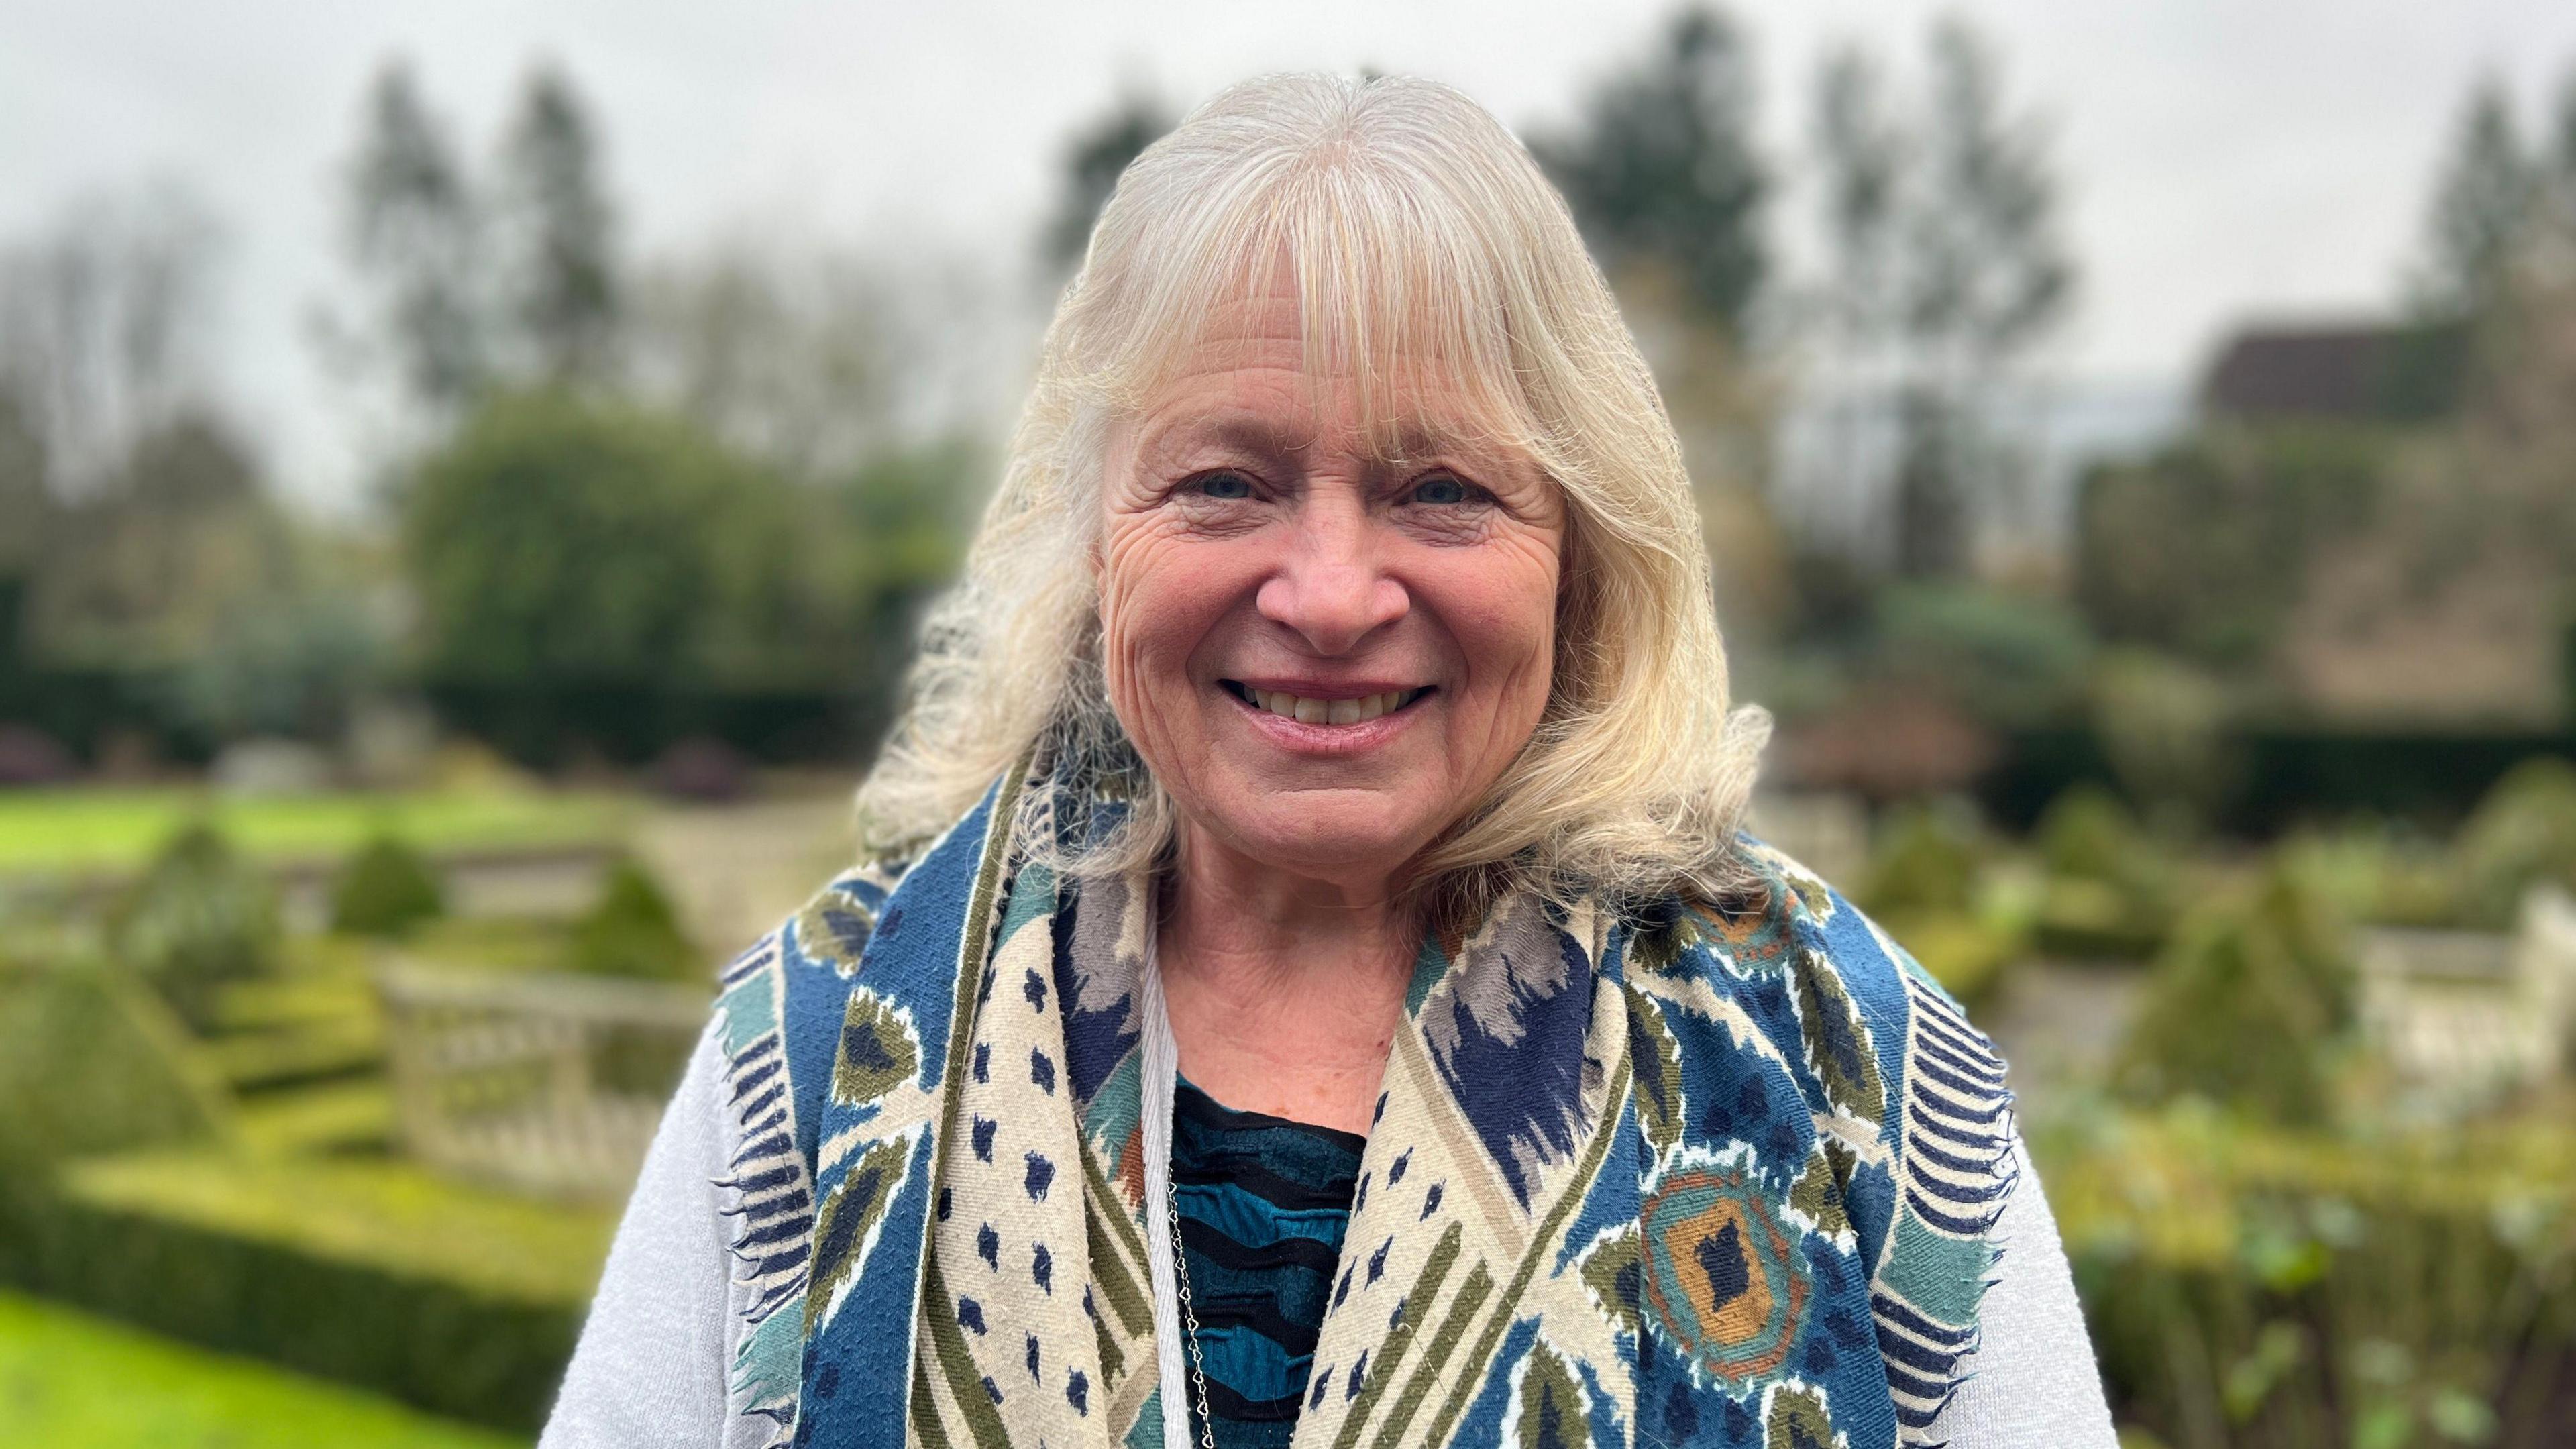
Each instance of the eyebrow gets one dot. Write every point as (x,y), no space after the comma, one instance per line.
(1242,433)
(1411,440)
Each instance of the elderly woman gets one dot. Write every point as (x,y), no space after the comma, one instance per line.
(1320,991)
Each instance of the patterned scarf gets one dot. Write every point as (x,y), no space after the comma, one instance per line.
(1706,1178)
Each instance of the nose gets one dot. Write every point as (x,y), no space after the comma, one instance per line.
(1329,586)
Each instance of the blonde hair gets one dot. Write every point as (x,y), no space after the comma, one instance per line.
(1426,248)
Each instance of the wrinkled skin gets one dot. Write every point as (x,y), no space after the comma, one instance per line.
(1251,539)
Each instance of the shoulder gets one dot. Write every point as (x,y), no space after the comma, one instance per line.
(1908,1100)
(803,956)
(1785,936)
(863,918)
(1793,971)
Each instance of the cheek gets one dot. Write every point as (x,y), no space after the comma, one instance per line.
(1156,603)
(1505,615)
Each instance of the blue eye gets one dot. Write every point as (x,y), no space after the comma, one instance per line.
(1440,488)
(1228,486)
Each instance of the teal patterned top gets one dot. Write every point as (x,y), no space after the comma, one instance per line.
(1263,1204)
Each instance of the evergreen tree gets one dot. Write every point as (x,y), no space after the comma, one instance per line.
(2482,204)
(1093,162)
(564,293)
(2558,163)
(415,241)
(1662,170)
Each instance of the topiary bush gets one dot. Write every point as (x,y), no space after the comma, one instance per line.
(1925,885)
(1926,861)
(386,889)
(200,917)
(2253,1005)
(2110,888)
(91,1062)
(633,931)
(2087,833)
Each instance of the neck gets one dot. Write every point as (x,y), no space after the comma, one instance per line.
(1241,925)
(1283,990)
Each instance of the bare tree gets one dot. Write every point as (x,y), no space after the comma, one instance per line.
(102,318)
(1943,268)
(796,357)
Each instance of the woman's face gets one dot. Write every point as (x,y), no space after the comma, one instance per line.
(1323,657)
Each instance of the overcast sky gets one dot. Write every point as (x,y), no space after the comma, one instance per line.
(2221,157)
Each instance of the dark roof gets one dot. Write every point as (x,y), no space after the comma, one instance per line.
(2365,373)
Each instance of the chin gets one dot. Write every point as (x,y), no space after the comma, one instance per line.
(1328,838)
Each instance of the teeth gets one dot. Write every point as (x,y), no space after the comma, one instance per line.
(1331,711)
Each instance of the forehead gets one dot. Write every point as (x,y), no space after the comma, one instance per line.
(1255,365)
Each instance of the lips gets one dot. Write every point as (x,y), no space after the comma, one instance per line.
(1309,709)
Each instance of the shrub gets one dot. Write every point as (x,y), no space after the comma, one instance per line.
(2247,1286)
(2251,1005)
(2382,874)
(386,889)
(2522,834)
(1968,956)
(2110,888)
(1924,885)
(2165,726)
(1927,860)
(199,917)
(2088,834)
(633,931)
(92,1062)
(2011,658)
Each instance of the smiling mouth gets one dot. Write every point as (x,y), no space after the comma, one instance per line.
(1305,710)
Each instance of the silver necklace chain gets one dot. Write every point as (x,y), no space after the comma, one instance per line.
(1189,1319)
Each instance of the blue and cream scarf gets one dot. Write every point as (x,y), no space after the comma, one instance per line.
(1708,1178)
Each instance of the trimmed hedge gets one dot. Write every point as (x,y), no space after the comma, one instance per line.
(373,1273)
(2290,776)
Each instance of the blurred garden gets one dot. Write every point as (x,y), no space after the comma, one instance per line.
(363,875)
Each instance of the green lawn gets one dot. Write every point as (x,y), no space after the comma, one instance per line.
(68,1379)
(81,831)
